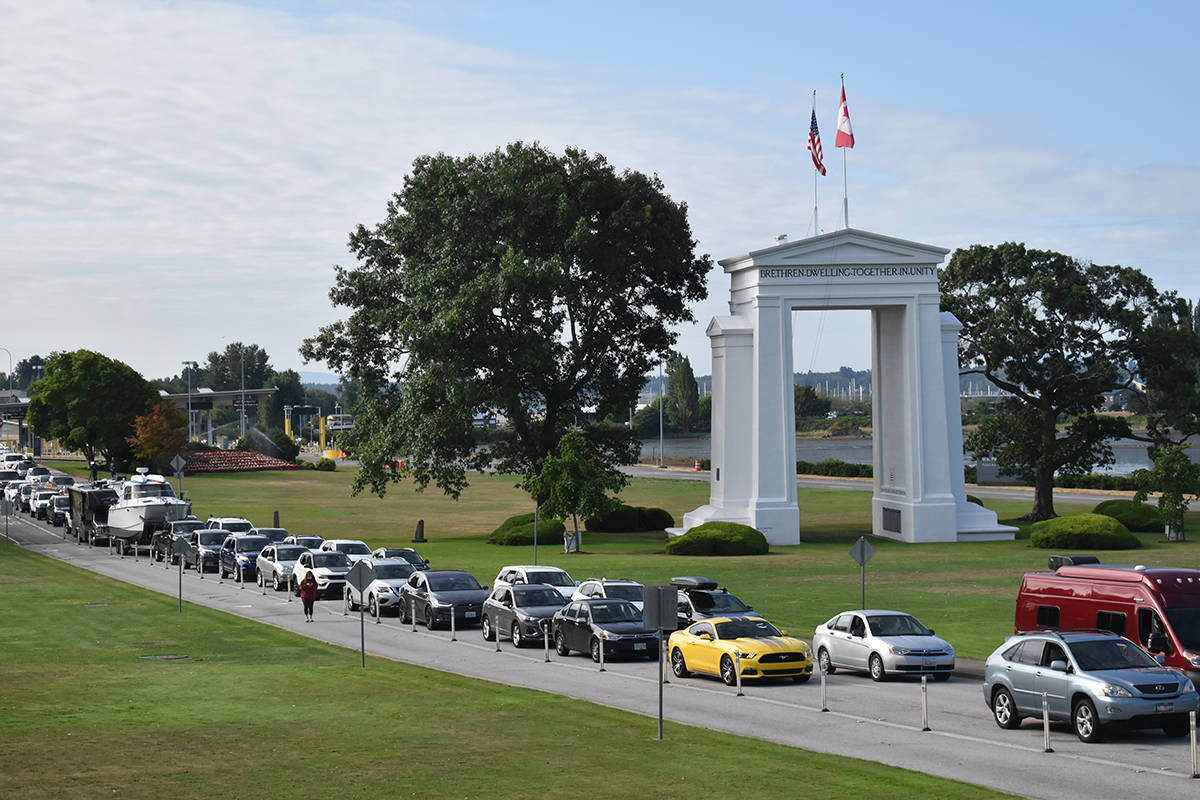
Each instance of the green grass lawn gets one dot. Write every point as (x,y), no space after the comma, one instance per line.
(258,712)
(966,592)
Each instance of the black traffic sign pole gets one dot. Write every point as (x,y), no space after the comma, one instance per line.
(359,578)
(659,613)
(861,552)
(178,546)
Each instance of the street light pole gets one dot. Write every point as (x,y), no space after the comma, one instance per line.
(10,367)
(188,366)
(661,465)
(243,353)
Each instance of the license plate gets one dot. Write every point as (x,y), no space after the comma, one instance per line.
(639,645)
(469,614)
(929,662)
(1165,707)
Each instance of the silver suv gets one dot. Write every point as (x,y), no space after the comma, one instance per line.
(1093,679)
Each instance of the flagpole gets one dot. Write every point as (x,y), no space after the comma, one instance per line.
(816,226)
(845,194)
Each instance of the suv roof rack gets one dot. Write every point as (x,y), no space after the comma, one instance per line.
(1058,632)
(693,582)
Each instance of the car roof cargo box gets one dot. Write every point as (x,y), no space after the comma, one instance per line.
(693,582)
(1071,561)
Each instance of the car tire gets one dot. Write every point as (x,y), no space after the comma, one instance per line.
(1004,709)
(594,649)
(375,607)
(275,582)
(405,617)
(678,665)
(347,605)
(560,645)
(825,662)
(485,628)
(514,633)
(1177,729)
(875,665)
(1085,722)
(430,623)
(258,579)
(728,671)
(295,587)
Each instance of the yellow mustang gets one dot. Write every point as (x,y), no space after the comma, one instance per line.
(713,645)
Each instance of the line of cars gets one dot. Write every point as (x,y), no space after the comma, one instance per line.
(34,489)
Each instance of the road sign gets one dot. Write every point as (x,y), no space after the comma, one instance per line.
(179,546)
(360,576)
(660,611)
(6,508)
(862,551)
(179,475)
(249,402)
(177,464)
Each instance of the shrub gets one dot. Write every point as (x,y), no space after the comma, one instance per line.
(307,465)
(834,468)
(706,463)
(1085,532)
(518,530)
(1134,516)
(970,473)
(326,465)
(630,518)
(719,539)
(973,499)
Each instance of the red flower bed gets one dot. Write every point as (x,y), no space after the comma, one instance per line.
(233,461)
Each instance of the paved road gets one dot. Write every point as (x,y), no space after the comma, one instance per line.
(880,722)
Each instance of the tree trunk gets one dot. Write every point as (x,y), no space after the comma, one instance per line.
(1043,483)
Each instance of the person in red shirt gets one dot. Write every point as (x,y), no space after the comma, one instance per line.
(308,595)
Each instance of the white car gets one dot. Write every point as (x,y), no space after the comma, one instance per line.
(275,564)
(620,589)
(329,568)
(311,542)
(383,592)
(39,503)
(355,549)
(231,524)
(532,573)
(882,643)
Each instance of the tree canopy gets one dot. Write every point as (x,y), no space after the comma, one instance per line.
(288,392)
(519,281)
(683,396)
(808,403)
(1056,333)
(89,402)
(159,435)
(572,482)
(223,370)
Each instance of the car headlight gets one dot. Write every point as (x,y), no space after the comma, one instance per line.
(385,589)
(1192,658)
(747,656)
(899,651)
(1188,686)
(606,635)
(433,601)
(1112,690)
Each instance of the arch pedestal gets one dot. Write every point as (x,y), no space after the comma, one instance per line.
(919,493)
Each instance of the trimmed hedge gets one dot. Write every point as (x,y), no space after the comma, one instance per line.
(631,518)
(326,465)
(973,499)
(1084,532)
(834,468)
(1134,516)
(719,539)
(518,530)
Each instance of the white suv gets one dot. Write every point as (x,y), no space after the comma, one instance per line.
(529,573)
(355,549)
(620,589)
(231,524)
(383,592)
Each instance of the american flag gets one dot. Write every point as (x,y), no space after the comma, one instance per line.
(814,144)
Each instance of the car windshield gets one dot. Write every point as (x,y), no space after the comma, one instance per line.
(745,629)
(553,577)
(537,597)
(330,559)
(625,591)
(1102,654)
(45,495)
(454,582)
(274,534)
(617,611)
(289,552)
(152,490)
(187,527)
(251,544)
(1186,624)
(309,541)
(353,548)
(390,572)
(212,538)
(237,527)
(717,601)
(896,625)
(62,502)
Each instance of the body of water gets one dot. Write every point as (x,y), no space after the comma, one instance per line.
(1130,454)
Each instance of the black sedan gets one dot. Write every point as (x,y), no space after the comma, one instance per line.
(433,595)
(616,625)
(522,612)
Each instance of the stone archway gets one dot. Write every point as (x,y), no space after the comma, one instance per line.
(919,492)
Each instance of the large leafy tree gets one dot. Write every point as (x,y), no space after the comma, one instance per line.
(1168,360)
(573,483)
(683,396)
(808,403)
(520,281)
(159,435)
(288,392)
(223,370)
(1055,332)
(89,402)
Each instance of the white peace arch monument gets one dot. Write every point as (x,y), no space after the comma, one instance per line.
(919,492)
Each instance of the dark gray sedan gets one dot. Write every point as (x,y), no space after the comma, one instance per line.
(432,596)
(522,612)
(615,625)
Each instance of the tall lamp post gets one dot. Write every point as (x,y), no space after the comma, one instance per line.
(661,464)
(188,366)
(10,367)
(243,352)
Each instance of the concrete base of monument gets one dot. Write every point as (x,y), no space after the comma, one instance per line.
(979,524)
(780,523)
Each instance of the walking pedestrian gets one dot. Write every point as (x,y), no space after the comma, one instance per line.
(308,595)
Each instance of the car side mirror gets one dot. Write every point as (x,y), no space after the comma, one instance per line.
(856,634)
(1058,666)
(930,631)
(783,633)
(1159,643)
(1161,658)
(706,637)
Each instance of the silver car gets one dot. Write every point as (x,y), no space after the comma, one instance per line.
(882,643)
(275,564)
(384,591)
(1093,679)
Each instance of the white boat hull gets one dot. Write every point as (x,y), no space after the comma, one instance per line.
(129,521)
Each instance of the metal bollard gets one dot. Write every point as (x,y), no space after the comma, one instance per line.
(924,704)
(262,583)
(737,666)
(664,658)
(454,638)
(220,573)
(496,637)
(412,613)
(824,705)
(546,646)
(600,647)
(289,590)
(1195,754)
(135,552)
(121,547)
(378,612)
(241,579)
(345,605)
(1046,748)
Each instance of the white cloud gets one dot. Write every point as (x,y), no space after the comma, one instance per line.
(172,176)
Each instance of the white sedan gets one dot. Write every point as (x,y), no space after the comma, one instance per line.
(882,643)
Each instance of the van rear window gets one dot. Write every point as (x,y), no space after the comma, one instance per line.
(1047,616)
(1111,621)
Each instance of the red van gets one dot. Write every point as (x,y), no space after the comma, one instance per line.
(1156,606)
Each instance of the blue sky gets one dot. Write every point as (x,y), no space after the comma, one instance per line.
(202,163)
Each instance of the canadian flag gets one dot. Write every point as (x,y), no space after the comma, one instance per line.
(845,134)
